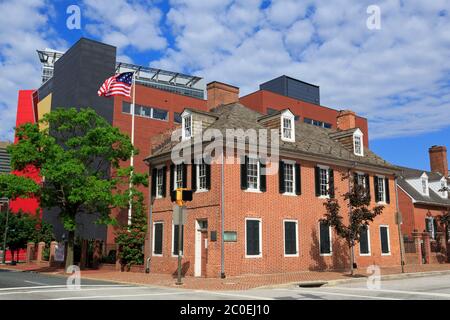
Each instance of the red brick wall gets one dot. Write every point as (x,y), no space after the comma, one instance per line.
(406,207)
(261,100)
(271,208)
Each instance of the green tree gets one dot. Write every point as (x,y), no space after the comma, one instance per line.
(131,239)
(358,212)
(75,157)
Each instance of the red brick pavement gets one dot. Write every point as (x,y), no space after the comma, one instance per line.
(232,283)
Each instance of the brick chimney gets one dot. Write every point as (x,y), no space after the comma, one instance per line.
(346,120)
(221,93)
(438,159)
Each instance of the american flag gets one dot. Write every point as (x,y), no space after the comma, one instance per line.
(119,84)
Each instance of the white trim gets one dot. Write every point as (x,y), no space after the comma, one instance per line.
(327,169)
(162,240)
(258,175)
(197,178)
(388,239)
(173,236)
(358,134)
(175,175)
(293,163)
(331,242)
(184,115)
(368,245)
(197,250)
(157,196)
(288,115)
(296,238)
(383,201)
(260,238)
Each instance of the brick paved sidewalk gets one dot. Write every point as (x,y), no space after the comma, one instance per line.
(231,283)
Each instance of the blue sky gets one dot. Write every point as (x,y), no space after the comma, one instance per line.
(397,76)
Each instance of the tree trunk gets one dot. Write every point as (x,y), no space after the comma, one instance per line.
(352,259)
(69,253)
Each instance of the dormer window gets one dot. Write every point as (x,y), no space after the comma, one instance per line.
(358,148)
(287,126)
(424,183)
(186,123)
(443,189)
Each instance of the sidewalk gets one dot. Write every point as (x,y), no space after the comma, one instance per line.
(230,283)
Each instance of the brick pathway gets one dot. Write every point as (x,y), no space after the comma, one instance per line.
(232,283)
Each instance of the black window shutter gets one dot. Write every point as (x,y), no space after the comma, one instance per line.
(427,225)
(194,176)
(208,176)
(366,176)
(154,172)
(384,240)
(355,178)
(164,182)
(290,246)
(331,182)
(364,241)
(244,161)
(324,238)
(262,176)
(281,177)
(184,166)
(375,186)
(298,179)
(158,238)
(252,237)
(386,190)
(317,180)
(172,168)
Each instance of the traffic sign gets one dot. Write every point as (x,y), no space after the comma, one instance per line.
(179,212)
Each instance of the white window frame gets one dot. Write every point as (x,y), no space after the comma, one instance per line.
(358,135)
(199,189)
(368,245)
(258,175)
(432,231)
(388,238)
(296,238)
(175,176)
(289,116)
(184,117)
(290,162)
(153,239)
(173,237)
(331,242)
(327,170)
(260,239)
(424,183)
(158,170)
(383,178)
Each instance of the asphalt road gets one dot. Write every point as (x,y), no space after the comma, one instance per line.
(27,285)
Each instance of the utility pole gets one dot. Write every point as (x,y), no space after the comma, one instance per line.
(398,218)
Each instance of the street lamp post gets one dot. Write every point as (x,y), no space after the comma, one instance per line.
(5,233)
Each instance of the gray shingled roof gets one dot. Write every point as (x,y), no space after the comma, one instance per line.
(309,139)
(410,173)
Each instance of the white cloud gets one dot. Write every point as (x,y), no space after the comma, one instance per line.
(125,24)
(24,29)
(398,77)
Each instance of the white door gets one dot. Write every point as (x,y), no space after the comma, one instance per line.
(198,250)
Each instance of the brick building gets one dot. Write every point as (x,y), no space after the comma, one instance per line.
(421,202)
(271,222)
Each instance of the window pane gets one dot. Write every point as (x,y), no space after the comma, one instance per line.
(384,240)
(323,182)
(381,194)
(325,245)
(364,241)
(288,177)
(252,173)
(201,176)
(160,114)
(290,237)
(177,117)
(179,176)
(253,245)
(158,238)
(271,111)
(126,106)
(159,182)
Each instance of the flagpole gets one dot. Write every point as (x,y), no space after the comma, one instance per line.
(132,142)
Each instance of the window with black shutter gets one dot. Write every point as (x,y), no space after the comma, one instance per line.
(176,229)
(384,236)
(262,176)
(298,180)
(153,185)
(290,237)
(364,247)
(157,238)
(244,184)
(281,177)
(386,190)
(325,238)
(253,230)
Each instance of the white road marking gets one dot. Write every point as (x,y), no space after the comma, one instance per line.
(67,290)
(62,286)
(38,283)
(436,294)
(119,296)
(234,295)
(343,294)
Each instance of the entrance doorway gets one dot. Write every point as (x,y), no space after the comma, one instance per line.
(201,247)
